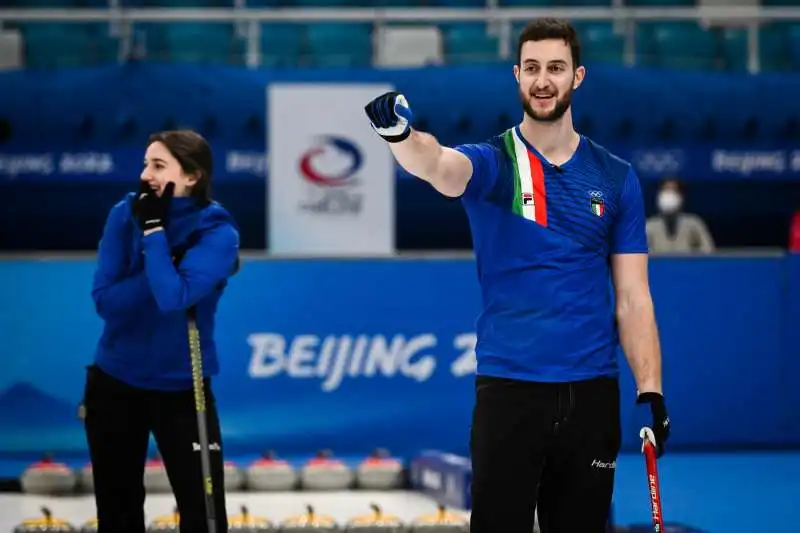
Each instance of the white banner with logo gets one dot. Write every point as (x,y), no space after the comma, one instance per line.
(331,178)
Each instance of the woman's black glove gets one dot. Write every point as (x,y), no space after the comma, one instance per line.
(151,210)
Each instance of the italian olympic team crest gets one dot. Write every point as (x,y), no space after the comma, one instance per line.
(597,203)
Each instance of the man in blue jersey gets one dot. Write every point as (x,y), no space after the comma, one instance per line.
(556,221)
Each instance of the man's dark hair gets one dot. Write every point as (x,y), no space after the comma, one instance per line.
(193,154)
(551,28)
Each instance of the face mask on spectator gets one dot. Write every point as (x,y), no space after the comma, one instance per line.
(669,201)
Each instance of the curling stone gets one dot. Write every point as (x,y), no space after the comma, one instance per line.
(442,521)
(48,477)
(323,472)
(269,473)
(379,471)
(169,523)
(234,478)
(375,522)
(310,521)
(247,523)
(44,524)
(90,526)
(85,479)
(155,476)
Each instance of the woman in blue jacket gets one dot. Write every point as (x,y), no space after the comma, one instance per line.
(164,250)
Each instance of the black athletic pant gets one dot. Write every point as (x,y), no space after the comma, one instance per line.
(546,447)
(119,420)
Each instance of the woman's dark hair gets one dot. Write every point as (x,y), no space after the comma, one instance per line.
(679,185)
(194,156)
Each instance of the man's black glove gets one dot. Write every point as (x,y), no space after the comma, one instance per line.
(151,210)
(661,423)
(390,116)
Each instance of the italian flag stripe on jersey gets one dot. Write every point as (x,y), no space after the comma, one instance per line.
(529,193)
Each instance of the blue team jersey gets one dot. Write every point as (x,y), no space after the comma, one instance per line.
(543,238)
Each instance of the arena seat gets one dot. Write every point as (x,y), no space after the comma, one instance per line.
(660,3)
(554,3)
(469,43)
(267,3)
(526,3)
(40,4)
(335,44)
(324,3)
(600,43)
(678,44)
(397,3)
(180,3)
(733,49)
(774,46)
(794,46)
(191,42)
(54,45)
(457,3)
(583,3)
(281,45)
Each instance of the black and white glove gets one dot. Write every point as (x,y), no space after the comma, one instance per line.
(661,424)
(151,210)
(390,116)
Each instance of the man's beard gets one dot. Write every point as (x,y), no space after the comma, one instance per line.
(561,107)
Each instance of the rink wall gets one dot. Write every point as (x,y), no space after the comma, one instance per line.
(290,332)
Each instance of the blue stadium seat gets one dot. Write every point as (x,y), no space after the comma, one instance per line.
(660,3)
(325,3)
(192,42)
(469,43)
(339,44)
(794,46)
(583,3)
(526,3)
(395,3)
(169,3)
(733,49)
(773,44)
(676,45)
(181,3)
(281,45)
(778,48)
(103,47)
(40,4)
(457,3)
(556,3)
(63,45)
(350,3)
(599,42)
(268,3)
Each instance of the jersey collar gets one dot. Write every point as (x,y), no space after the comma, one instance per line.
(544,161)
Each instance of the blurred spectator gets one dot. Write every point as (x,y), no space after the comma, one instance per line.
(794,232)
(672,229)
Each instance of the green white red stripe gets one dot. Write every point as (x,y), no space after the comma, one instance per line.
(529,191)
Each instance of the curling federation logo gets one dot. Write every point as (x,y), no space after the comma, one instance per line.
(330,168)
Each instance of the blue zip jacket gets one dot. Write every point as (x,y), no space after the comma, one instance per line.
(143,297)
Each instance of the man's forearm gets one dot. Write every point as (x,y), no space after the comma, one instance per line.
(639,338)
(419,154)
